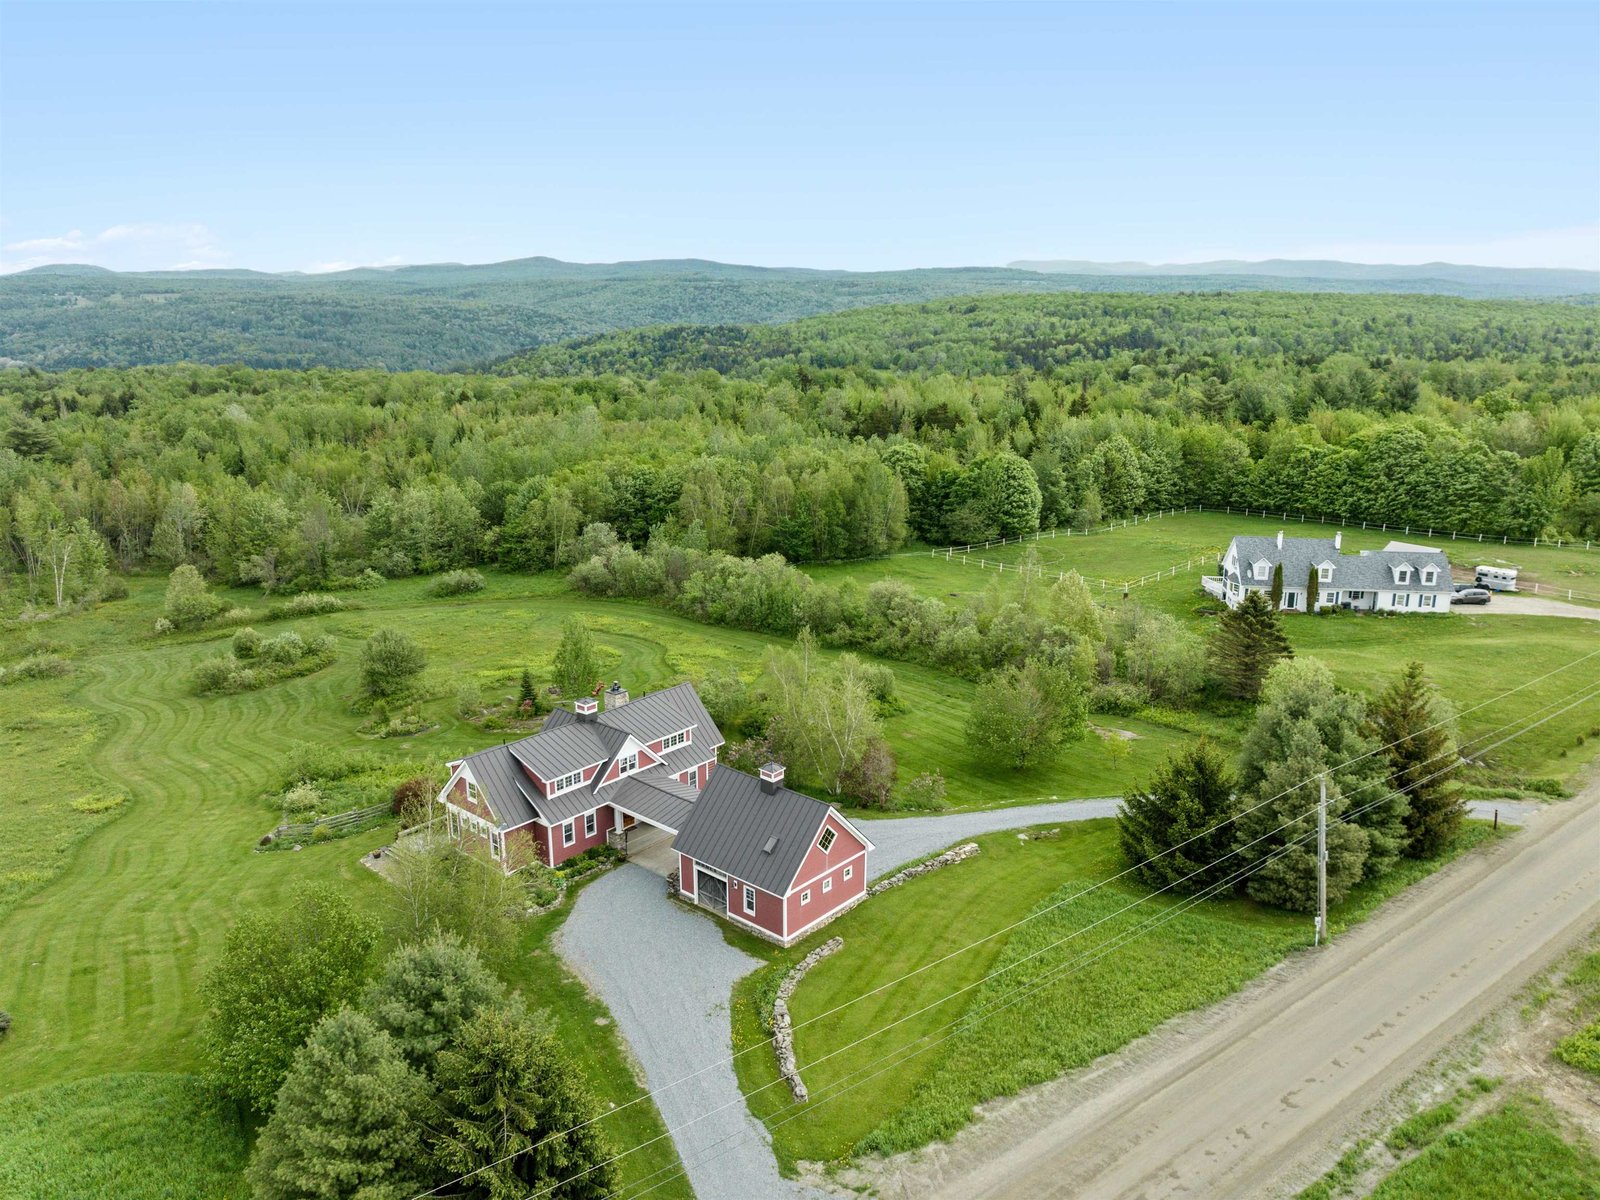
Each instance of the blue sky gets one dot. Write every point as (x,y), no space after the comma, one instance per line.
(306,136)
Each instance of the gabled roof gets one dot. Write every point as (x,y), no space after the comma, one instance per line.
(734,821)
(505,789)
(661,801)
(1369,570)
(569,746)
(658,714)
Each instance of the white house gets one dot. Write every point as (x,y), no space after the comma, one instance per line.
(1399,578)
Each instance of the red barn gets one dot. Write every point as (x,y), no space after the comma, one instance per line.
(773,860)
(777,861)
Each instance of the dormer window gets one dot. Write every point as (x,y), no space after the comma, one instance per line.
(1263,569)
(1402,574)
(1325,573)
(1429,574)
(674,740)
(627,763)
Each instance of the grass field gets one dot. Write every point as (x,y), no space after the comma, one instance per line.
(1516,1152)
(919,1079)
(107,920)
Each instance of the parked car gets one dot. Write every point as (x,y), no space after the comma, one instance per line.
(1467,593)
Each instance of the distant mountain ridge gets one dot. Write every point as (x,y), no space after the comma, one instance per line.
(1536,280)
(444,316)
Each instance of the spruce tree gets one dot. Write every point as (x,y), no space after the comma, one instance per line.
(514,1112)
(526,693)
(1408,719)
(346,1122)
(1247,641)
(1177,830)
(426,992)
(1306,728)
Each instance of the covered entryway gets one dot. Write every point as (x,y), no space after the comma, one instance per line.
(650,847)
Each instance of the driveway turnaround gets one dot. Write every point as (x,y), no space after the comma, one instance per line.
(667,975)
(1519,605)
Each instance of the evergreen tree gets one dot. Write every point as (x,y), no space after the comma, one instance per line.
(1179,829)
(1313,588)
(1408,719)
(527,694)
(514,1112)
(426,992)
(1276,593)
(346,1121)
(1245,644)
(1306,728)
(577,663)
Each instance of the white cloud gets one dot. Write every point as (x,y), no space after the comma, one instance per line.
(132,246)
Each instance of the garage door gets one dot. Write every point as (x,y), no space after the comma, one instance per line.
(713,892)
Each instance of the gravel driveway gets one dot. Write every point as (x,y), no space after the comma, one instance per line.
(1508,605)
(666,975)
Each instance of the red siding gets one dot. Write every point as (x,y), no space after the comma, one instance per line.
(769,908)
(823,903)
(845,847)
(686,875)
(604,817)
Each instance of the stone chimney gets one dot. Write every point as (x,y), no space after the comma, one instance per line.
(616,695)
(1338,538)
(771,777)
(1280,539)
(585,707)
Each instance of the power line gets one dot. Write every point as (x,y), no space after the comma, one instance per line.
(1240,873)
(1233,818)
(968,1020)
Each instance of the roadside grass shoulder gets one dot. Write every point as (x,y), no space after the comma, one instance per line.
(1118,986)
(1519,1151)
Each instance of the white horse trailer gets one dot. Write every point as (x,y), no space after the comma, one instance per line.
(1497,579)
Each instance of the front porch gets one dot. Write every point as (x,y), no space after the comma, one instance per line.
(650,846)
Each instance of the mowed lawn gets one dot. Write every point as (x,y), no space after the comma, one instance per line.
(1082,976)
(108,920)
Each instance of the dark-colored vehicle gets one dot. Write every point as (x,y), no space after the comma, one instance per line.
(1467,594)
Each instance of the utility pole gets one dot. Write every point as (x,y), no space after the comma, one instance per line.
(1322,864)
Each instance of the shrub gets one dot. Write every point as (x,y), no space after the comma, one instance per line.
(215,675)
(36,666)
(189,602)
(1582,1049)
(390,661)
(415,791)
(302,798)
(286,648)
(321,833)
(234,616)
(308,604)
(246,643)
(870,779)
(5,1022)
(114,588)
(469,700)
(1117,699)
(925,793)
(163,626)
(457,583)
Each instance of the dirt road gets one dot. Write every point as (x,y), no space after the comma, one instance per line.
(1254,1095)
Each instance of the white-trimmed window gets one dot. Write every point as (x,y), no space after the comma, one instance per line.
(588,824)
(671,741)
(825,842)
(1402,599)
(1402,575)
(627,763)
(1356,595)
(849,874)
(827,885)
(474,792)
(496,843)
(1291,599)
(1324,574)
(1263,570)
(1329,597)
(1429,574)
(749,900)
(566,782)
(805,897)
(1427,601)
(568,834)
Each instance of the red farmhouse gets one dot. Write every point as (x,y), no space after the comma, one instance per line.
(773,860)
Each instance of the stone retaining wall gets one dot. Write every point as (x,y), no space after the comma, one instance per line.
(782,1027)
(954,855)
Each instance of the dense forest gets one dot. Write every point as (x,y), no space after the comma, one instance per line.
(449,317)
(1475,417)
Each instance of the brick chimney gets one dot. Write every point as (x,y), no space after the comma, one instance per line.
(771,777)
(585,707)
(616,695)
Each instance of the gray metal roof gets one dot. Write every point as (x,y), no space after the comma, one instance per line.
(1368,571)
(659,713)
(651,801)
(508,792)
(734,820)
(570,746)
